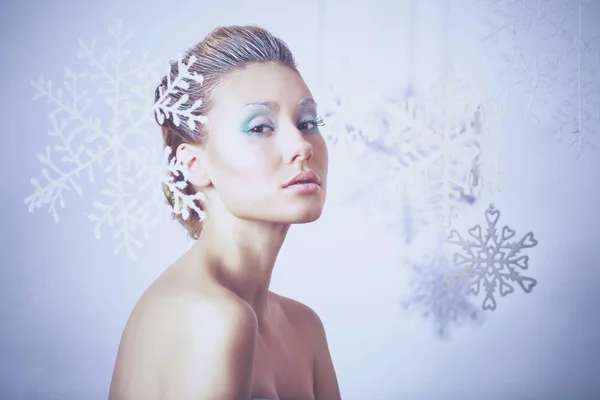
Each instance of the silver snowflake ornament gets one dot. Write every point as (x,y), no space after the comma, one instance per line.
(492,261)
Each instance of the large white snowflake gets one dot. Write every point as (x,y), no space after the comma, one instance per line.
(529,80)
(437,150)
(349,108)
(578,116)
(509,17)
(101,120)
(492,260)
(447,146)
(560,78)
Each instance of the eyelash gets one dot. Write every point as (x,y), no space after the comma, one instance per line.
(317,122)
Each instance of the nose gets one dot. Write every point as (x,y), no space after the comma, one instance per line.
(295,147)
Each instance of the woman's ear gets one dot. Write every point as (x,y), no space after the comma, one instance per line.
(189,159)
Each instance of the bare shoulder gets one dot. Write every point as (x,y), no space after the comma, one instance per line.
(191,343)
(301,315)
(309,323)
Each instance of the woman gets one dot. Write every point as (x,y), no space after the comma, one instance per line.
(242,134)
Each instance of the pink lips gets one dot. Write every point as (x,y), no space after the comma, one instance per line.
(305,182)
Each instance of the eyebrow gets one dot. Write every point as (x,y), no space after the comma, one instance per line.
(274,106)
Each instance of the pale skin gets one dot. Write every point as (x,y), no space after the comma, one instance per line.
(209,327)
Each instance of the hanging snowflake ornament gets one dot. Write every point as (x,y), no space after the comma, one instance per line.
(488,124)
(348,103)
(103,129)
(406,122)
(492,260)
(446,306)
(578,115)
(452,145)
(439,151)
(508,18)
(566,56)
(529,80)
(442,147)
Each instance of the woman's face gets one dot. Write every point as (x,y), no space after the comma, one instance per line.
(263,131)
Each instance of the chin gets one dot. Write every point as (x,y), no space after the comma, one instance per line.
(296,214)
(305,213)
(307,217)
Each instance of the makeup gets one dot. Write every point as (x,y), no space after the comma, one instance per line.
(303,188)
(257,124)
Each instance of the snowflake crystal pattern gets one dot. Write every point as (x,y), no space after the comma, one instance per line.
(564,66)
(530,79)
(350,123)
(510,17)
(439,150)
(492,261)
(111,148)
(446,149)
(444,304)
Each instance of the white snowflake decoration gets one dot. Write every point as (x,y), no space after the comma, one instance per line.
(447,148)
(492,260)
(513,16)
(111,148)
(348,106)
(439,150)
(489,123)
(178,111)
(566,56)
(182,202)
(529,80)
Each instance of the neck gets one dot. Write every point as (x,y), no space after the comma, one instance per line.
(242,255)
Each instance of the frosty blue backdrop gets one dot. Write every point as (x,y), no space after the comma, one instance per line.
(436,110)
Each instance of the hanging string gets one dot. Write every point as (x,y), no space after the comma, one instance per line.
(445,42)
(320,38)
(468,193)
(412,20)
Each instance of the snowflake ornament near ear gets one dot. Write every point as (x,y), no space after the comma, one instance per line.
(180,112)
(182,202)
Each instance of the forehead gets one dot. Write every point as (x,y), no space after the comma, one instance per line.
(261,83)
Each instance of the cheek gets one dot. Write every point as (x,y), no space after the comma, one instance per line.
(241,162)
(321,154)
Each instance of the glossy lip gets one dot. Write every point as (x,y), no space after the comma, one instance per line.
(304,177)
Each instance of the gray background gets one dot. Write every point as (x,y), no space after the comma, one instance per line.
(65,296)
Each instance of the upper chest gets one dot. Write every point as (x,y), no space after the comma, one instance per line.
(283,365)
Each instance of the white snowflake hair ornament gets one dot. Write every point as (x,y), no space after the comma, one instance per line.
(182,202)
(172,104)
(165,107)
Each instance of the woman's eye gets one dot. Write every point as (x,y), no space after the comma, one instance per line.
(307,125)
(258,129)
(311,124)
